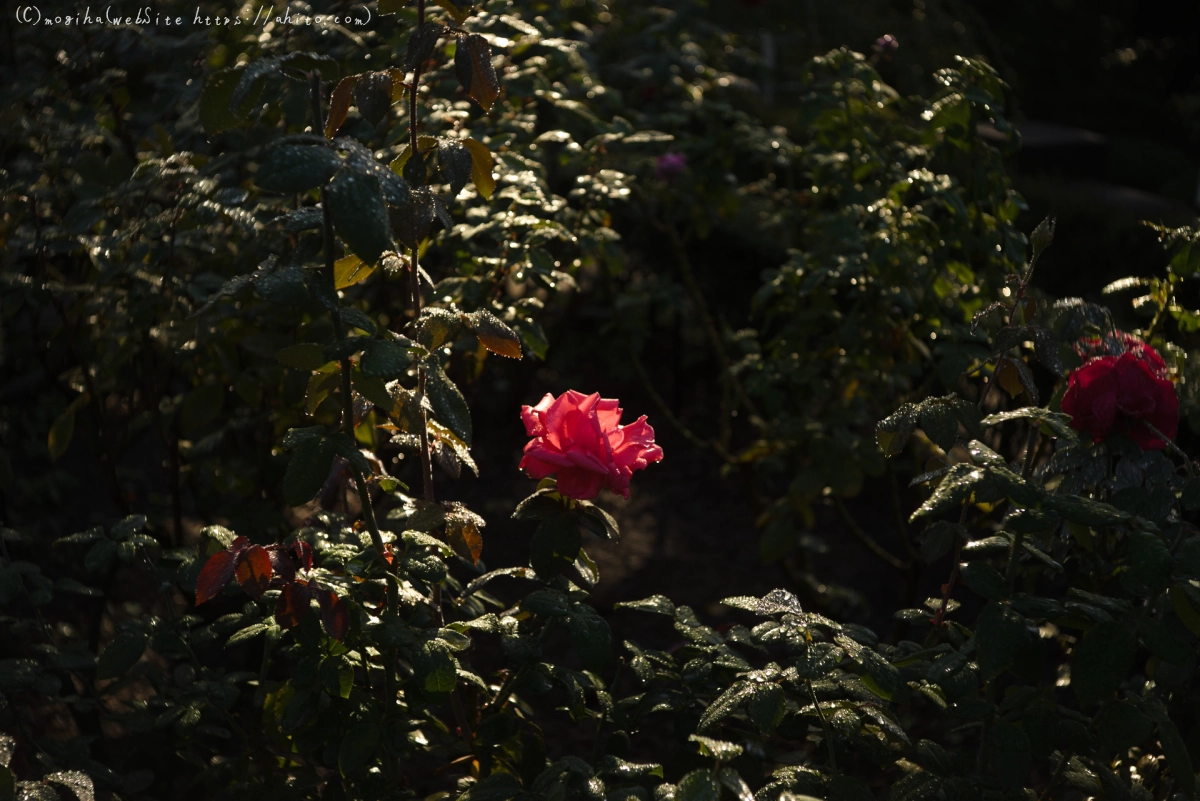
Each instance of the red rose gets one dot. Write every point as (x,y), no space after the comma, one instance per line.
(1121,342)
(579,437)
(1122,394)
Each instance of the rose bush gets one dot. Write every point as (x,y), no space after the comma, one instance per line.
(1127,393)
(580,438)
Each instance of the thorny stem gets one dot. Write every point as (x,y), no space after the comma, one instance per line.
(364,492)
(596,746)
(675,422)
(422,370)
(339,330)
(514,678)
(940,617)
(1175,449)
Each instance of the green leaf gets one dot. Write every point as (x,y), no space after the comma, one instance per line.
(546,602)
(215,100)
(1168,638)
(78,782)
(305,356)
(1085,511)
(938,539)
(386,359)
(1121,727)
(555,545)
(724,704)
(1148,564)
(591,637)
(307,471)
(893,432)
(954,489)
(719,750)
(373,95)
(767,707)
(358,748)
(940,423)
(1101,660)
(658,604)
(1042,236)
(449,405)
(360,214)
(100,556)
(497,787)
(1010,753)
(434,672)
(420,44)
(699,785)
(455,163)
(984,580)
(246,634)
(337,676)
(999,634)
(122,653)
(61,432)
(292,168)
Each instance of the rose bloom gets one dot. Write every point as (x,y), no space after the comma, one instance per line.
(1122,393)
(580,439)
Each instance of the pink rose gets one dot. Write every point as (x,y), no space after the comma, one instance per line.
(1118,393)
(580,438)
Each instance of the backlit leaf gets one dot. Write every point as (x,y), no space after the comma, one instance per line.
(339,105)
(481,168)
(254,571)
(217,572)
(373,95)
(494,334)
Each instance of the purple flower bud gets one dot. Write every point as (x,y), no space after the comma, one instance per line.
(886,45)
(670,166)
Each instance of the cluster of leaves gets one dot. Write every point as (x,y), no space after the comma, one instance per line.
(878,225)
(362,650)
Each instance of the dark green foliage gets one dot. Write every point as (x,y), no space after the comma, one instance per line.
(275,318)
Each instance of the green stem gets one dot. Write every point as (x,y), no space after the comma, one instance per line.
(596,746)
(812,693)
(866,539)
(1175,449)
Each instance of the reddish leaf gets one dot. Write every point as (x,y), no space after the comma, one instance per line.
(254,570)
(293,603)
(335,614)
(282,567)
(238,545)
(217,572)
(303,552)
(339,105)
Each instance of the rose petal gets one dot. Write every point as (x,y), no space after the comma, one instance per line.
(578,483)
